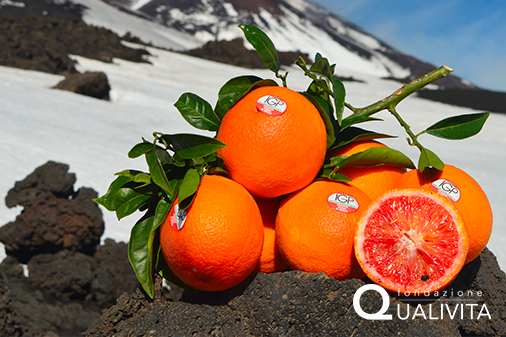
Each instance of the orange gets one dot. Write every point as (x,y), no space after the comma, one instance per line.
(217,242)
(372,180)
(271,260)
(465,193)
(276,141)
(411,241)
(315,229)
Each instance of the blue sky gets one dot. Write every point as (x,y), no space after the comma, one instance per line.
(466,35)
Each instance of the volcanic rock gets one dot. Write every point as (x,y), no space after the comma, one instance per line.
(44,44)
(57,279)
(92,84)
(49,224)
(301,304)
(233,52)
(60,293)
(51,178)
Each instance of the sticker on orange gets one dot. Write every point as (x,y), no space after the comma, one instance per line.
(177,217)
(343,202)
(271,105)
(447,189)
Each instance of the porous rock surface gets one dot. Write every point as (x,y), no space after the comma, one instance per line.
(301,304)
(54,216)
(57,278)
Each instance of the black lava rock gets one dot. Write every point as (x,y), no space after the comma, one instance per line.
(51,177)
(68,278)
(302,304)
(92,84)
(49,224)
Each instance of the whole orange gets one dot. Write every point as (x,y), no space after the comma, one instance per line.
(467,196)
(271,260)
(276,141)
(216,243)
(316,226)
(374,180)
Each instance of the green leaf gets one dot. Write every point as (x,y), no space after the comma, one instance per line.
(375,156)
(315,89)
(155,160)
(429,159)
(108,199)
(334,176)
(356,119)
(322,66)
(140,149)
(137,176)
(128,200)
(198,112)
(459,127)
(339,97)
(232,91)
(326,113)
(188,188)
(263,45)
(162,210)
(140,252)
(354,134)
(191,146)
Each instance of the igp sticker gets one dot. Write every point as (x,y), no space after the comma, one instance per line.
(271,105)
(447,189)
(177,217)
(343,202)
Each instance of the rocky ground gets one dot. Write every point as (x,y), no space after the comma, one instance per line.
(302,304)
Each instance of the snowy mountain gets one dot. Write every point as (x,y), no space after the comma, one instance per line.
(293,25)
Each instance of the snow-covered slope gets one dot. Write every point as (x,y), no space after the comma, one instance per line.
(295,25)
(101,14)
(94,136)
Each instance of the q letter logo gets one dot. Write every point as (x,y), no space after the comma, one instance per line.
(378,315)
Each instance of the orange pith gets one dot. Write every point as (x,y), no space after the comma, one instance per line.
(467,196)
(315,236)
(273,155)
(411,241)
(220,242)
(373,181)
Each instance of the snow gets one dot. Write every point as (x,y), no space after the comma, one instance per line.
(136,4)
(94,136)
(101,14)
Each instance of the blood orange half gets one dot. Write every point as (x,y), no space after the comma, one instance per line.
(411,241)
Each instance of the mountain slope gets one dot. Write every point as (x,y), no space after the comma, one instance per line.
(292,25)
